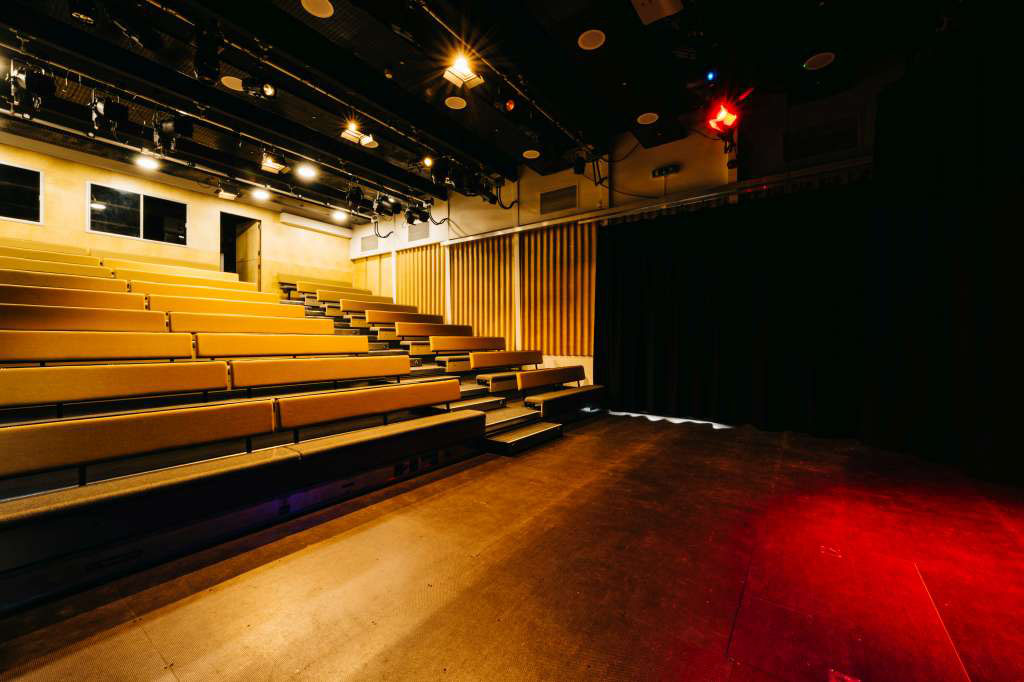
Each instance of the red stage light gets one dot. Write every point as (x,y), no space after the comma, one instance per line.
(724,119)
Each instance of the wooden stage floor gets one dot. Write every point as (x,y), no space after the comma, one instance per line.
(626,550)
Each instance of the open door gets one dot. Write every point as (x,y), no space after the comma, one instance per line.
(241,247)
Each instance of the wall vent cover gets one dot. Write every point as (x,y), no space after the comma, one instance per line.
(558,200)
(420,231)
(368,243)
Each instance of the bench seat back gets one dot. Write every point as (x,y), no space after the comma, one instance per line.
(68,346)
(394,316)
(304,410)
(77,298)
(130,274)
(329,296)
(351,305)
(18,316)
(249,373)
(510,358)
(116,264)
(466,343)
(34,254)
(248,324)
(12,263)
(147,287)
(188,304)
(50,385)
(29,448)
(427,329)
(45,279)
(549,377)
(242,345)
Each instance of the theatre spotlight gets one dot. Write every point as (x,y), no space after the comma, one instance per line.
(460,73)
(723,120)
(30,88)
(107,115)
(260,88)
(206,66)
(354,197)
(166,131)
(440,171)
(415,215)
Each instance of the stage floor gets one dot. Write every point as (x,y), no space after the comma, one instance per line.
(626,550)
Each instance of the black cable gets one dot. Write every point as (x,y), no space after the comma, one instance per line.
(502,203)
(630,152)
(376,231)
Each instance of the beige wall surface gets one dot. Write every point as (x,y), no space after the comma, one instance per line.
(285,248)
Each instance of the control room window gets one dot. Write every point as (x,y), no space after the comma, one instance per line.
(131,214)
(21,193)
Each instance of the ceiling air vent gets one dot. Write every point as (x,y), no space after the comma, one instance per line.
(558,200)
(368,243)
(420,231)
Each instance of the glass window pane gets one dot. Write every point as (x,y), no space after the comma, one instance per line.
(164,221)
(19,193)
(114,211)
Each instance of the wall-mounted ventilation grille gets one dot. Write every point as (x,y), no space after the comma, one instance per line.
(368,243)
(558,200)
(420,231)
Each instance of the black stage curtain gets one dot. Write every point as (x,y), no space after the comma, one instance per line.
(857,311)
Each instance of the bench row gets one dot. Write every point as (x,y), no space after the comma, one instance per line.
(83,256)
(122,273)
(21,346)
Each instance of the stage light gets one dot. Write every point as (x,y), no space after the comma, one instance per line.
(724,119)
(84,11)
(339,216)
(415,215)
(166,131)
(269,90)
(460,74)
(711,75)
(146,162)
(228,191)
(591,39)
(306,171)
(107,114)
(260,88)
(260,194)
(353,134)
(427,161)
(29,88)
(271,164)
(368,142)
(510,105)
(206,64)
(354,197)
(455,103)
(440,171)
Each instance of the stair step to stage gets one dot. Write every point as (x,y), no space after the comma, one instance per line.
(483,404)
(522,437)
(505,418)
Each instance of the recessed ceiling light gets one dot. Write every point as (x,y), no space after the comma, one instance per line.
(455,103)
(339,216)
(531,154)
(306,171)
(591,40)
(647,119)
(232,83)
(819,61)
(146,162)
(321,9)
(260,194)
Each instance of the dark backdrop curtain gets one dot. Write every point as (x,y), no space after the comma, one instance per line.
(858,311)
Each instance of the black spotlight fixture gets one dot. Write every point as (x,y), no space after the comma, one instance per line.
(84,11)
(107,115)
(260,88)
(209,45)
(354,197)
(385,205)
(29,88)
(417,214)
(579,164)
(166,131)
(440,171)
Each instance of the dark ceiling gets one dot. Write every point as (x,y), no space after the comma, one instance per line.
(380,62)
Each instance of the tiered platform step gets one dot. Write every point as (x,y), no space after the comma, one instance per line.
(522,437)
(484,404)
(507,417)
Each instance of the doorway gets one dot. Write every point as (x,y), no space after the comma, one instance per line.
(241,247)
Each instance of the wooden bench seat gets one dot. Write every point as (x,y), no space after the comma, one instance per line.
(29,448)
(44,279)
(351,305)
(76,298)
(448,344)
(188,304)
(298,411)
(147,287)
(34,254)
(422,329)
(310,284)
(549,377)
(43,246)
(395,316)
(148,276)
(52,385)
(18,316)
(213,345)
(147,260)
(247,324)
(328,296)
(564,400)
(511,358)
(12,263)
(497,382)
(69,346)
(250,373)
(115,263)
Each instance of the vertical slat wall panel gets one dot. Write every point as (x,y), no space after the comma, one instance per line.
(481,285)
(359,273)
(373,273)
(558,278)
(420,278)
